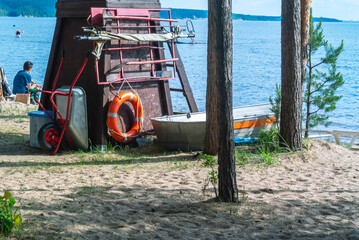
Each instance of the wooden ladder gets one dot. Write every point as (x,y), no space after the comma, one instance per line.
(182,75)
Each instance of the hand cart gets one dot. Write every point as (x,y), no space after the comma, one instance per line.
(69,115)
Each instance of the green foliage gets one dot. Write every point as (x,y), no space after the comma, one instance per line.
(9,218)
(270,140)
(39,8)
(320,92)
(264,151)
(266,157)
(195,14)
(270,144)
(210,162)
(259,156)
(276,102)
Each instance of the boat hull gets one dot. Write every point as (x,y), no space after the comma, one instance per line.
(180,132)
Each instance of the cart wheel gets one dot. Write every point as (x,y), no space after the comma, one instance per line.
(49,136)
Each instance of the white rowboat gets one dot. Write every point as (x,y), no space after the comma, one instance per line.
(187,131)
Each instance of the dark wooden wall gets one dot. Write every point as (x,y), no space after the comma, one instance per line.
(71,16)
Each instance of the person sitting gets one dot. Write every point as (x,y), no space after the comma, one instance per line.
(6,90)
(23,82)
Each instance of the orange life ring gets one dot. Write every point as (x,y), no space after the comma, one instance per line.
(112,115)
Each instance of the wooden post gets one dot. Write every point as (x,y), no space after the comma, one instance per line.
(291,111)
(220,63)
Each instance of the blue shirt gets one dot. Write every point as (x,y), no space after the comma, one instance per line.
(21,80)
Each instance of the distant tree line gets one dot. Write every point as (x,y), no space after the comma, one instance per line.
(38,8)
(46,8)
(198,14)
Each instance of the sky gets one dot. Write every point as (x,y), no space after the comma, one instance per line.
(340,9)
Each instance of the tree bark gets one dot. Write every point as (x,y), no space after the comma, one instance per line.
(292,97)
(309,86)
(220,104)
(305,16)
(212,126)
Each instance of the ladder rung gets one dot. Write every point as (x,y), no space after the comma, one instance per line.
(169,65)
(177,89)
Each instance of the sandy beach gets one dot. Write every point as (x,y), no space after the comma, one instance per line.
(131,194)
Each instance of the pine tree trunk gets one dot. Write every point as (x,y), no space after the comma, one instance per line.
(305,16)
(292,97)
(220,63)
(212,126)
(309,86)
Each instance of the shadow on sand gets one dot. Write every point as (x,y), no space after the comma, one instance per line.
(154,213)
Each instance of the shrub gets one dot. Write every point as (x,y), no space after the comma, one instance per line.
(269,140)
(9,217)
(210,162)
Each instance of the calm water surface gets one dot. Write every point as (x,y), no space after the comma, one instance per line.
(256,61)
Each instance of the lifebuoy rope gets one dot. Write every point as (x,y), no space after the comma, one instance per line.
(138,119)
(134,91)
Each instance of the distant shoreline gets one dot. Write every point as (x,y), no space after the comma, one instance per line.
(195,18)
(177,13)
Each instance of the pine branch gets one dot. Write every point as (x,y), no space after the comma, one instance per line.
(314,112)
(317,65)
(321,86)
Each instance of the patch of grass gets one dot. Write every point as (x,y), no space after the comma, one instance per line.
(270,141)
(22,139)
(56,170)
(179,165)
(267,157)
(13,110)
(265,151)
(242,157)
(113,153)
(306,143)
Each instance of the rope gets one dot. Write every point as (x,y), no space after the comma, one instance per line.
(138,102)
(123,82)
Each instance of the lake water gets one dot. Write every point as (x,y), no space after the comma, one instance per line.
(257,61)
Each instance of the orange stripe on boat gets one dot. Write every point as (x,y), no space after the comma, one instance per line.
(255,123)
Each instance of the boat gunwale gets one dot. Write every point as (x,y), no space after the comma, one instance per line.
(165,119)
